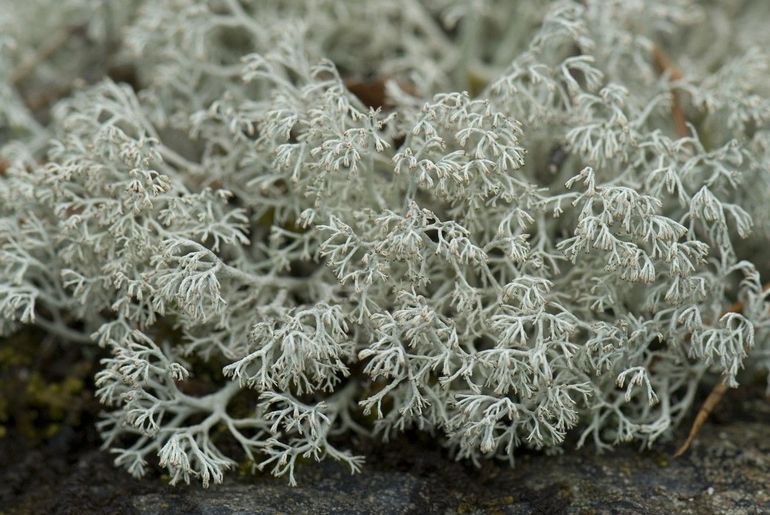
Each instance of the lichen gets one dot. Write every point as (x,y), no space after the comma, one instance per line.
(545,217)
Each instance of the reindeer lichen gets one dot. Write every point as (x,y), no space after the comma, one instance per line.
(547,254)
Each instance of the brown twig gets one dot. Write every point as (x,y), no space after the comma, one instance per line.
(664,65)
(708,405)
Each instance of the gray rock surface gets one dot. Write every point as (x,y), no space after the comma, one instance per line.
(726,471)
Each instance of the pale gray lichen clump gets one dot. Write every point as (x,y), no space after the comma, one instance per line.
(543,254)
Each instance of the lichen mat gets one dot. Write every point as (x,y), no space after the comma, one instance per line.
(291,224)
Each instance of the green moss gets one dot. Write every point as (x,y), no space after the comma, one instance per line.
(42,387)
(662,460)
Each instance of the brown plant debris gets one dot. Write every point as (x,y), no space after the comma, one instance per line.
(664,65)
(703,413)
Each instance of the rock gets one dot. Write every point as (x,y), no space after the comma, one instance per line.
(324,490)
(726,471)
